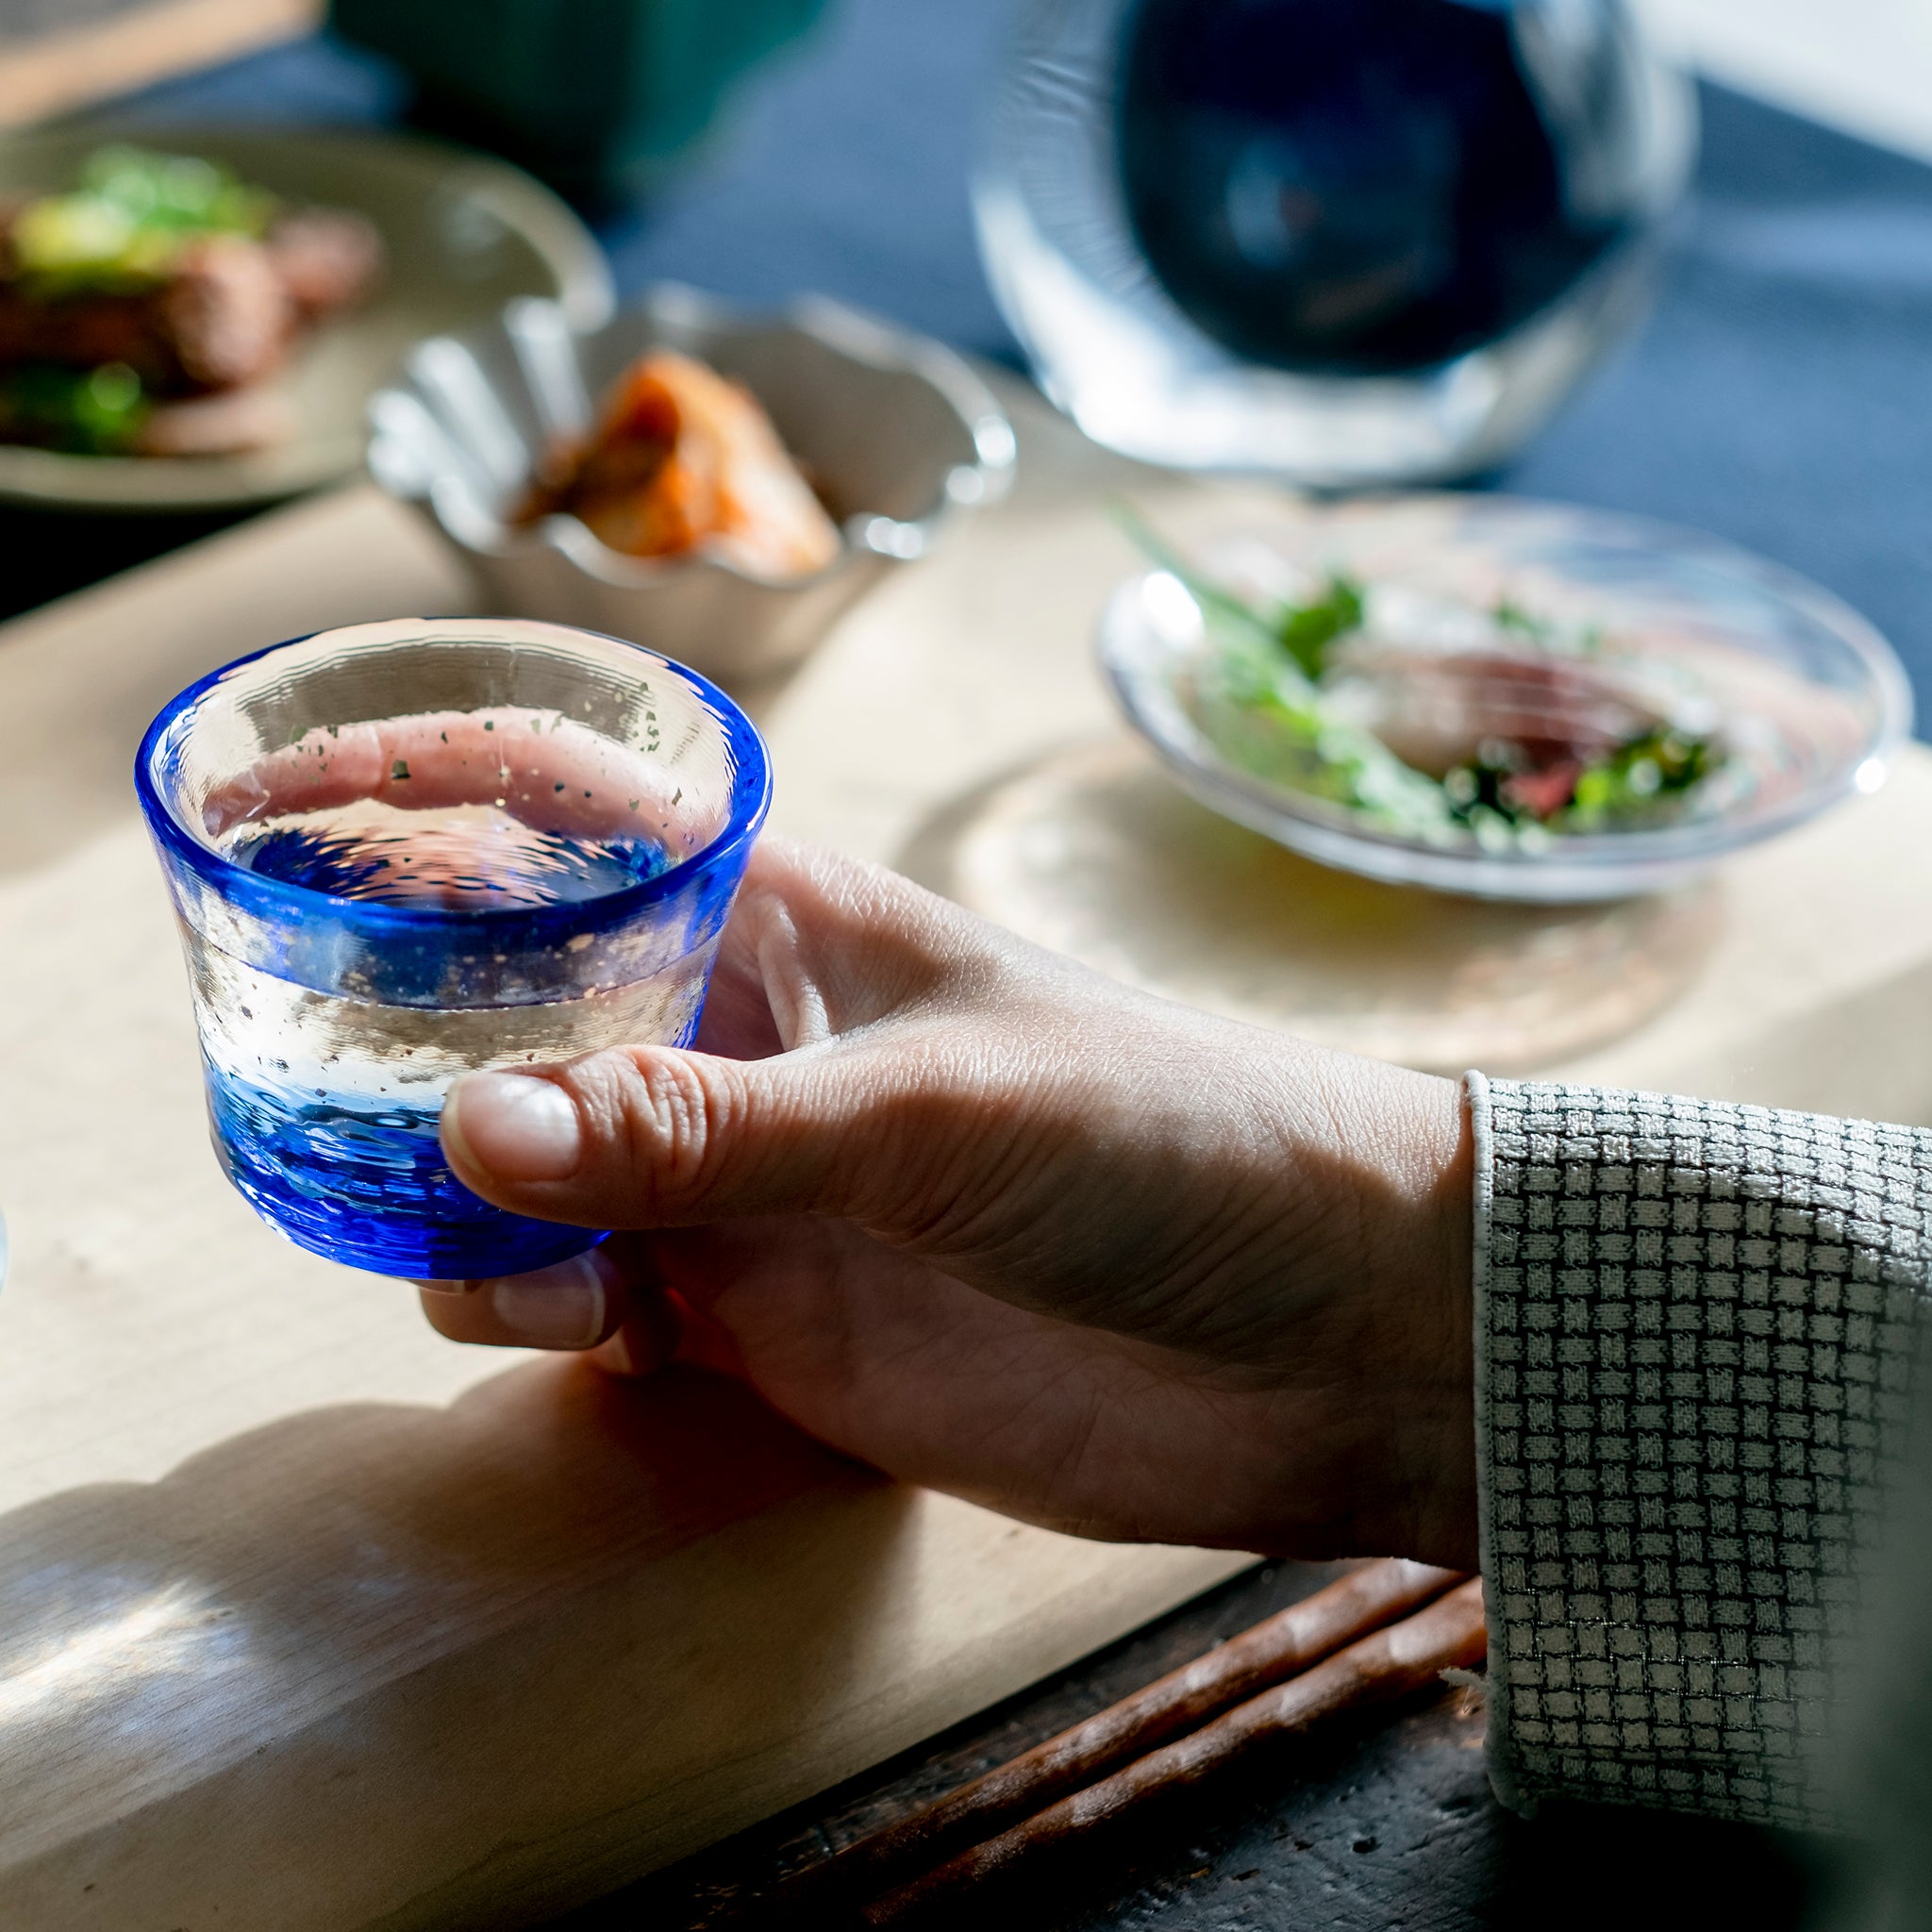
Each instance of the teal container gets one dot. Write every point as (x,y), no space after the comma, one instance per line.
(599,97)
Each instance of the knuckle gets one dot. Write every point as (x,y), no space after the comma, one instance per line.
(665,1113)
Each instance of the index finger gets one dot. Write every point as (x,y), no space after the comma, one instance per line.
(548,771)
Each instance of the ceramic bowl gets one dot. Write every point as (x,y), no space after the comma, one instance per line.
(896,433)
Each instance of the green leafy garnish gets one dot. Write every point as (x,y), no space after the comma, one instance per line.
(1659,765)
(185,192)
(1307,630)
(83,411)
(1264,712)
(124,226)
(1510,616)
(1258,697)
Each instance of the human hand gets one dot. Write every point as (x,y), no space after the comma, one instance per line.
(997,1225)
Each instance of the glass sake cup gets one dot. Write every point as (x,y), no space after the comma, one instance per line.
(402,852)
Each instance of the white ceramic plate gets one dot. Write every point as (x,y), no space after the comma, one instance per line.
(464,235)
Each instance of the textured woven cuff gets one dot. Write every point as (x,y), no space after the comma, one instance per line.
(1694,1327)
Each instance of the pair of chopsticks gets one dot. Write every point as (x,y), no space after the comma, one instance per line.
(1380,1633)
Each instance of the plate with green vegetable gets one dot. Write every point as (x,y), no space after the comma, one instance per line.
(196,317)
(1492,696)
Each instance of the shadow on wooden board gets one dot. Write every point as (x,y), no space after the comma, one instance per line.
(205,1681)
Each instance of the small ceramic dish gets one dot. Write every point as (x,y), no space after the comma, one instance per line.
(1804,701)
(895,433)
(462,234)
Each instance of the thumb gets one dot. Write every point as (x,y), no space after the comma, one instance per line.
(645,1136)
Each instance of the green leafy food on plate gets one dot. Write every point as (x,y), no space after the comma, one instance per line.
(127,222)
(1544,741)
(98,412)
(1661,765)
(1307,630)
(147,308)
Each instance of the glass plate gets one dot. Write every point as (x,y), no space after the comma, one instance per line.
(1811,701)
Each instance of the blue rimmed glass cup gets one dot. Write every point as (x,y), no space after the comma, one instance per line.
(401,852)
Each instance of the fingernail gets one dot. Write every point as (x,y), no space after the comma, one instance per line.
(561,1307)
(517,1128)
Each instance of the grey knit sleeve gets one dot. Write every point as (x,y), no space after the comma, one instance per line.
(1694,1327)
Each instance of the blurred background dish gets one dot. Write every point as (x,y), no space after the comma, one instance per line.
(893,433)
(152,305)
(1503,698)
(461,235)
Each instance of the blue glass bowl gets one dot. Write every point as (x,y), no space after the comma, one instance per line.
(335,1011)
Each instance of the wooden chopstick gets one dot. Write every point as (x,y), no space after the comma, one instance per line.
(1229,1674)
(1392,1662)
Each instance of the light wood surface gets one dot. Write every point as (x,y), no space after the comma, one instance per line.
(956,728)
(310,1620)
(71,67)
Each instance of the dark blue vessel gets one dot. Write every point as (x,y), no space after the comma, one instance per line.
(1371,187)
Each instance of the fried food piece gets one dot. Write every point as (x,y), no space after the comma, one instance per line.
(220,319)
(81,331)
(680,460)
(224,315)
(329,259)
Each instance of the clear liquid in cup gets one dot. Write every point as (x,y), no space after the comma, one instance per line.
(325,1108)
(471,857)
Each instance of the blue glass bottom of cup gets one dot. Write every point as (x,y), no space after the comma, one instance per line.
(369,1187)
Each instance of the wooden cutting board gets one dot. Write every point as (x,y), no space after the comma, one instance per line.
(310,1620)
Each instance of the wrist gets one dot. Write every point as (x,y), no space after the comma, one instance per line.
(1417,1495)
